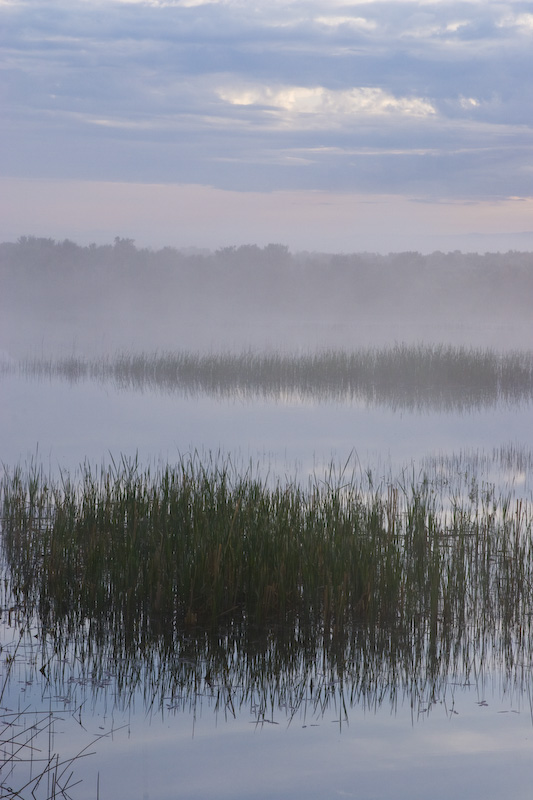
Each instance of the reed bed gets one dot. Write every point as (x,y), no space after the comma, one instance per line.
(198,543)
(202,583)
(403,376)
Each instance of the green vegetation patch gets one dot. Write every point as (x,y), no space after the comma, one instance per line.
(197,544)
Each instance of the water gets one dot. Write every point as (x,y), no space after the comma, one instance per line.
(466,734)
(63,424)
(470,739)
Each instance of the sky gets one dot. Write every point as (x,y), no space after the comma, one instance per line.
(324,125)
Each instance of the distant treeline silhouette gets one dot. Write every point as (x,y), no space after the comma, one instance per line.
(66,291)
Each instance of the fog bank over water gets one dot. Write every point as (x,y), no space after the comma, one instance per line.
(59,297)
(251,410)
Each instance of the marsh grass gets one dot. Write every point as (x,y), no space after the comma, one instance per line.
(199,543)
(403,376)
(201,584)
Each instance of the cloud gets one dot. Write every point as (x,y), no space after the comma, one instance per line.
(386,96)
(522,21)
(335,20)
(301,106)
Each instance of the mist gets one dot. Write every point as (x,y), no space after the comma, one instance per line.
(63,298)
(266,383)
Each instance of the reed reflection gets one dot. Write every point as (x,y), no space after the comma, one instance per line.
(414,378)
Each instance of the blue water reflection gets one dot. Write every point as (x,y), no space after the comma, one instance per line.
(66,424)
(471,741)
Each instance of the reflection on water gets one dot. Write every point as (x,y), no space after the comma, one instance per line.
(438,705)
(156,717)
(412,378)
(67,423)
(272,673)
(462,623)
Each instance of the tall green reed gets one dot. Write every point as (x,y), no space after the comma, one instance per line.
(200,542)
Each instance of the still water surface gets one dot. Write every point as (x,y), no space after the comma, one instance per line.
(64,424)
(473,738)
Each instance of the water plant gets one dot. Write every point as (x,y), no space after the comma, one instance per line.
(201,583)
(199,542)
(401,376)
